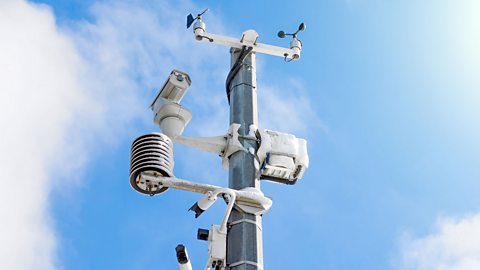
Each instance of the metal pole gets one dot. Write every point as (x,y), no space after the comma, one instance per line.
(244,238)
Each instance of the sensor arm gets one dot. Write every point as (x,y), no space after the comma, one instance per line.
(257,47)
(223,146)
(249,38)
(254,199)
(214,145)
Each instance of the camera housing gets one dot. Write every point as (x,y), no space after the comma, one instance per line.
(204,203)
(174,87)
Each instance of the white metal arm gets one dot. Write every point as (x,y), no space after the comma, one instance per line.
(249,39)
(231,202)
(247,199)
(239,43)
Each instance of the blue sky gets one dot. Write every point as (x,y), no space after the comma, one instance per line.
(386,93)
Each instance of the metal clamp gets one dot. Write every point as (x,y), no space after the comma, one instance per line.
(259,267)
(233,144)
(231,224)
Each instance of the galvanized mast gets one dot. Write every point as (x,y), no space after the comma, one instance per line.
(244,237)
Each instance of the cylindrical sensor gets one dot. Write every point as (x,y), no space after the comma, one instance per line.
(151,153)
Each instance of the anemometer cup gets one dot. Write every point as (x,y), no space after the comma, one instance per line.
(295,44)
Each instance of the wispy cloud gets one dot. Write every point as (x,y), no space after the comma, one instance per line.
(288,108)
(40,96)
(66,92)
(454,245)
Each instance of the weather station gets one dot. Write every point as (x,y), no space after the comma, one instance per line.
(249,153)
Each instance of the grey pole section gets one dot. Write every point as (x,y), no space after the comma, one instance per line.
(244,238)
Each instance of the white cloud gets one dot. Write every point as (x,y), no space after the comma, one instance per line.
(288,108)
(40,94)
(455,245)
(65,92)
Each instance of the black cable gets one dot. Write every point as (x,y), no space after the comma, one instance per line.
(236,67)
(288,60)
(233,72)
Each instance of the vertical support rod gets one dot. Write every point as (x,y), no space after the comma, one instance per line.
(244,239)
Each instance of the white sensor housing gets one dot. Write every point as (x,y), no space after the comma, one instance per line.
(284,157)
(217,247)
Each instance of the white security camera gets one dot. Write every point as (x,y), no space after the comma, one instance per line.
(175,87)
(169,114)
(210,198)
(203,204)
